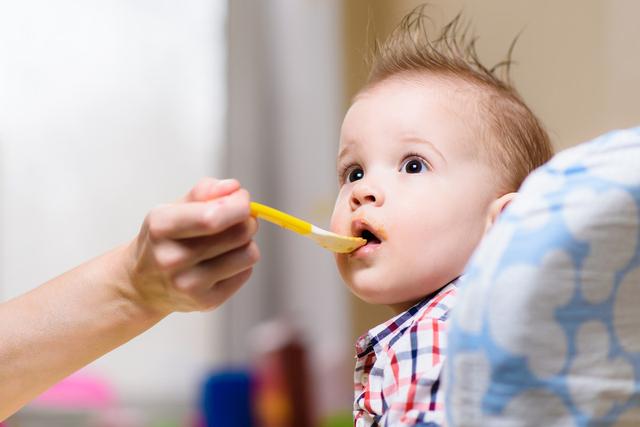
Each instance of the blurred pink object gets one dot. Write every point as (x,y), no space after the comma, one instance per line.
(78,391)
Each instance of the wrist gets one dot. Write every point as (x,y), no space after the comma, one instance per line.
(131,287)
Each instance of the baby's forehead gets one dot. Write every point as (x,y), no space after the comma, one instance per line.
(440,83)
(424,101)
(463,99)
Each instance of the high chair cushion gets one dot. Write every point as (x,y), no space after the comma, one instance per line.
(547,328)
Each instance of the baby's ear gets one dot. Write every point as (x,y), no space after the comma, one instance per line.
(496,208)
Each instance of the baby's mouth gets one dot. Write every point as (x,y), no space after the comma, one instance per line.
(362,228)
(370,237)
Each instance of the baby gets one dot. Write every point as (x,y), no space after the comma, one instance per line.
(432,149)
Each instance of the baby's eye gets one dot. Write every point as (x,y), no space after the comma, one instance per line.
(414,165)
(350,173)
(355,173)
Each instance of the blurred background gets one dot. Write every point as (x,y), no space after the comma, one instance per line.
(108,108)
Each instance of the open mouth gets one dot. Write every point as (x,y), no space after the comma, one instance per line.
(370,237)
(371,233)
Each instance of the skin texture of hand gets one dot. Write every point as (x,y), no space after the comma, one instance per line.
(195,254)
(190,255)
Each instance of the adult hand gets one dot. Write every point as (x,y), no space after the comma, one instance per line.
(195,253)
(189,255)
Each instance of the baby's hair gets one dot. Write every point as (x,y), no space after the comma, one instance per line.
(522,144)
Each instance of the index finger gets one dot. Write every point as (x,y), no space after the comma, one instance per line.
(196,219)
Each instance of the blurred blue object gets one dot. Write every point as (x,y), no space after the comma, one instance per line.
(545,332)
(226,399)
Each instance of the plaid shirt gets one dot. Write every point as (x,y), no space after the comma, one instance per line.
(398,365)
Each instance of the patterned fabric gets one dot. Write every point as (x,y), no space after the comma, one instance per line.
(398,366)
(547,328)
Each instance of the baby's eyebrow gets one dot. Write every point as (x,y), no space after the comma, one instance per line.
(343,152)
(426,142)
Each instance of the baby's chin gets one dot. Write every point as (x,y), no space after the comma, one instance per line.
(396,290)
(374,292)
(386,297)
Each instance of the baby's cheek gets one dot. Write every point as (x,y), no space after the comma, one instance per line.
(337,223)
(340,222)
(343,269)
(333,226)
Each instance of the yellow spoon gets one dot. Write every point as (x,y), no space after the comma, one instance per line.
(328,240)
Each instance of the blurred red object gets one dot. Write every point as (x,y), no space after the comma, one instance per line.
(282,394)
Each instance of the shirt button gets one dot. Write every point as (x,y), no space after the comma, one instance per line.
(365,379)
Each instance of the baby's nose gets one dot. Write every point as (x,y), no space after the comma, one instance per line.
(369,198)
(364,194)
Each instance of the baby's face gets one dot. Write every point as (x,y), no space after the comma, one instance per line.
(411,183)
